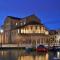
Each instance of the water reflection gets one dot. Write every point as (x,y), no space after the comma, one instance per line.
(22,55)
(32,57)
(58,54)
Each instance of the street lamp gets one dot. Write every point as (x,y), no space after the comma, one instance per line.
(1,32)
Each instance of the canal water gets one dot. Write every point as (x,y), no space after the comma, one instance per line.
(23,55)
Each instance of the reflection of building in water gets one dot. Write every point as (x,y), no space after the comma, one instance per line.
(28,30)
(17,55)
(31,57)
(58,54)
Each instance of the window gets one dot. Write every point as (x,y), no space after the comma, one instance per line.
(22,30)
(16,23)
(24,23)
(46,32)
(36,27)
(21,23)
(18,31)
(31,27)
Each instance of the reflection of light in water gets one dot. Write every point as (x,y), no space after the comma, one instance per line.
(4,53)
(30,57)
(43,57)
(46,56)
(25,58)
(58,54)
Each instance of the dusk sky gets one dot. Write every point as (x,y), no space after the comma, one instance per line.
(48,11)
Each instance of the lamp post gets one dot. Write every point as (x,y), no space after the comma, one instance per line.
(1,31)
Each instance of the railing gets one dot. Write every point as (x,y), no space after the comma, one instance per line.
(25,45)
(16,45)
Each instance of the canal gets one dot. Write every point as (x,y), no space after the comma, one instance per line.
(15,54)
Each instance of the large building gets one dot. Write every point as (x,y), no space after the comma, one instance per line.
(27,30)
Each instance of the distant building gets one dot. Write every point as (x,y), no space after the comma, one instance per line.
(58,37)
(53,34)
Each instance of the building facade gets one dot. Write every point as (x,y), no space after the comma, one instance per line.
(9,23)
(27,30)
(58,37)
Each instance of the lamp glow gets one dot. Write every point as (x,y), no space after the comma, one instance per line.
(1,31)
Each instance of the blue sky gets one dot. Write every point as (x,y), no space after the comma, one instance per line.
(48,11)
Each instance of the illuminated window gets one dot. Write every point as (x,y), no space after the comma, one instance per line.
(18,31)
(16,23)
(24,23)
(46,32)
(22,30)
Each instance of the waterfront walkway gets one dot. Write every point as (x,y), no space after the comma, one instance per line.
(22,45)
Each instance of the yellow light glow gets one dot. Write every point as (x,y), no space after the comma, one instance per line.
(46,32)
(58,54)
(25,58)
(1,31)
(18,31)
(16,23)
